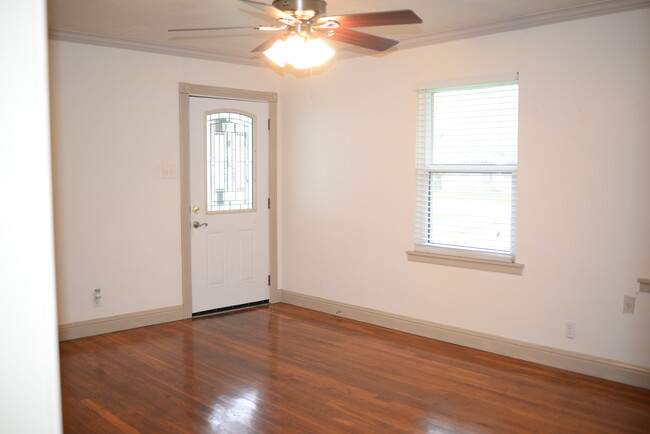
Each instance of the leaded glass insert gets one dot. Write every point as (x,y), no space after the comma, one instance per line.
(230,165)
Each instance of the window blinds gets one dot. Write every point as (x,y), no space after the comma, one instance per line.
(467,139)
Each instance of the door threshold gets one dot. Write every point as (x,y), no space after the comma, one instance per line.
(231,308)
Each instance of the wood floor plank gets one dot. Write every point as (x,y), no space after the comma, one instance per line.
(118,423)
(281,368)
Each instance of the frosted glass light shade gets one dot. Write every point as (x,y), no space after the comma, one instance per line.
(294,49)
(276,53)
(315,53)
(301,53)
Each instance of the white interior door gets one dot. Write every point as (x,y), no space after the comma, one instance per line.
(229,159)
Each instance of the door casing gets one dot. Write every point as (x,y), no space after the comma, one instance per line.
(185,91)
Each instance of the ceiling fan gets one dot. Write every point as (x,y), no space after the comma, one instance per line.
(304,24)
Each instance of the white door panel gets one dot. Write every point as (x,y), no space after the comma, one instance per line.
(230,255)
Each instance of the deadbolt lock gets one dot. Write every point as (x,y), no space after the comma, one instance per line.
(196,209)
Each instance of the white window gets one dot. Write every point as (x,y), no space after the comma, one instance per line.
(467,171)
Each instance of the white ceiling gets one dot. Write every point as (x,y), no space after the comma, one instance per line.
(143,24)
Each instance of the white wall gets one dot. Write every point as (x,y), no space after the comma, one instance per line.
(115,124)
(347,186)
(347,179)
(29,362)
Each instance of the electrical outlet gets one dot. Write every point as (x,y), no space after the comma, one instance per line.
(628,304)
(570,330)
(97,297)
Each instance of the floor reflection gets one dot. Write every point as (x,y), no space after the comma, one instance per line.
(237,411)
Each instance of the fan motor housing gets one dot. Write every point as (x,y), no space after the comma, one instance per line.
(302,9)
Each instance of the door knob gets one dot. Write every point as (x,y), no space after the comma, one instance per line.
(197,225)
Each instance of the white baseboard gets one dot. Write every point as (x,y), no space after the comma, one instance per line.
(119,322)
(570,361)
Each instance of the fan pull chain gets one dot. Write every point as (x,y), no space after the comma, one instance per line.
(311,82)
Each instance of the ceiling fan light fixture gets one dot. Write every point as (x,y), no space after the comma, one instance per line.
(301,52)
(306,21)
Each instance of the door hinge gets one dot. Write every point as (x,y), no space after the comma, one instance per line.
(269,124)
(269,280)
(268,203)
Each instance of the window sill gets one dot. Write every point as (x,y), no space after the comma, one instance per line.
(457,261)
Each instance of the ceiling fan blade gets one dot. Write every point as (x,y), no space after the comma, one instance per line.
(215,28)
(388,18)
(266,44)
(274,12)
(362,39)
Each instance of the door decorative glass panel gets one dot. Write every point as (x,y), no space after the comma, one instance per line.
(230,162)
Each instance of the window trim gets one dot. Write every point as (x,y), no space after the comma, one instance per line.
(468,81)
(476,259)
(466,262)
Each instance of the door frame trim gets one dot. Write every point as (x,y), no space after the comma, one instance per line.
(185,91)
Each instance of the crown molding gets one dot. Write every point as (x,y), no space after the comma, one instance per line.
(525,22)
(107,41)
(518,23)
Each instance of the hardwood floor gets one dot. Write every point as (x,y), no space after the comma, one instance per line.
(282,368)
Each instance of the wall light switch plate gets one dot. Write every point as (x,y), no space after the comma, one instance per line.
(169,171)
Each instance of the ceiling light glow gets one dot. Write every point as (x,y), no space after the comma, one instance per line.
(301,52)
